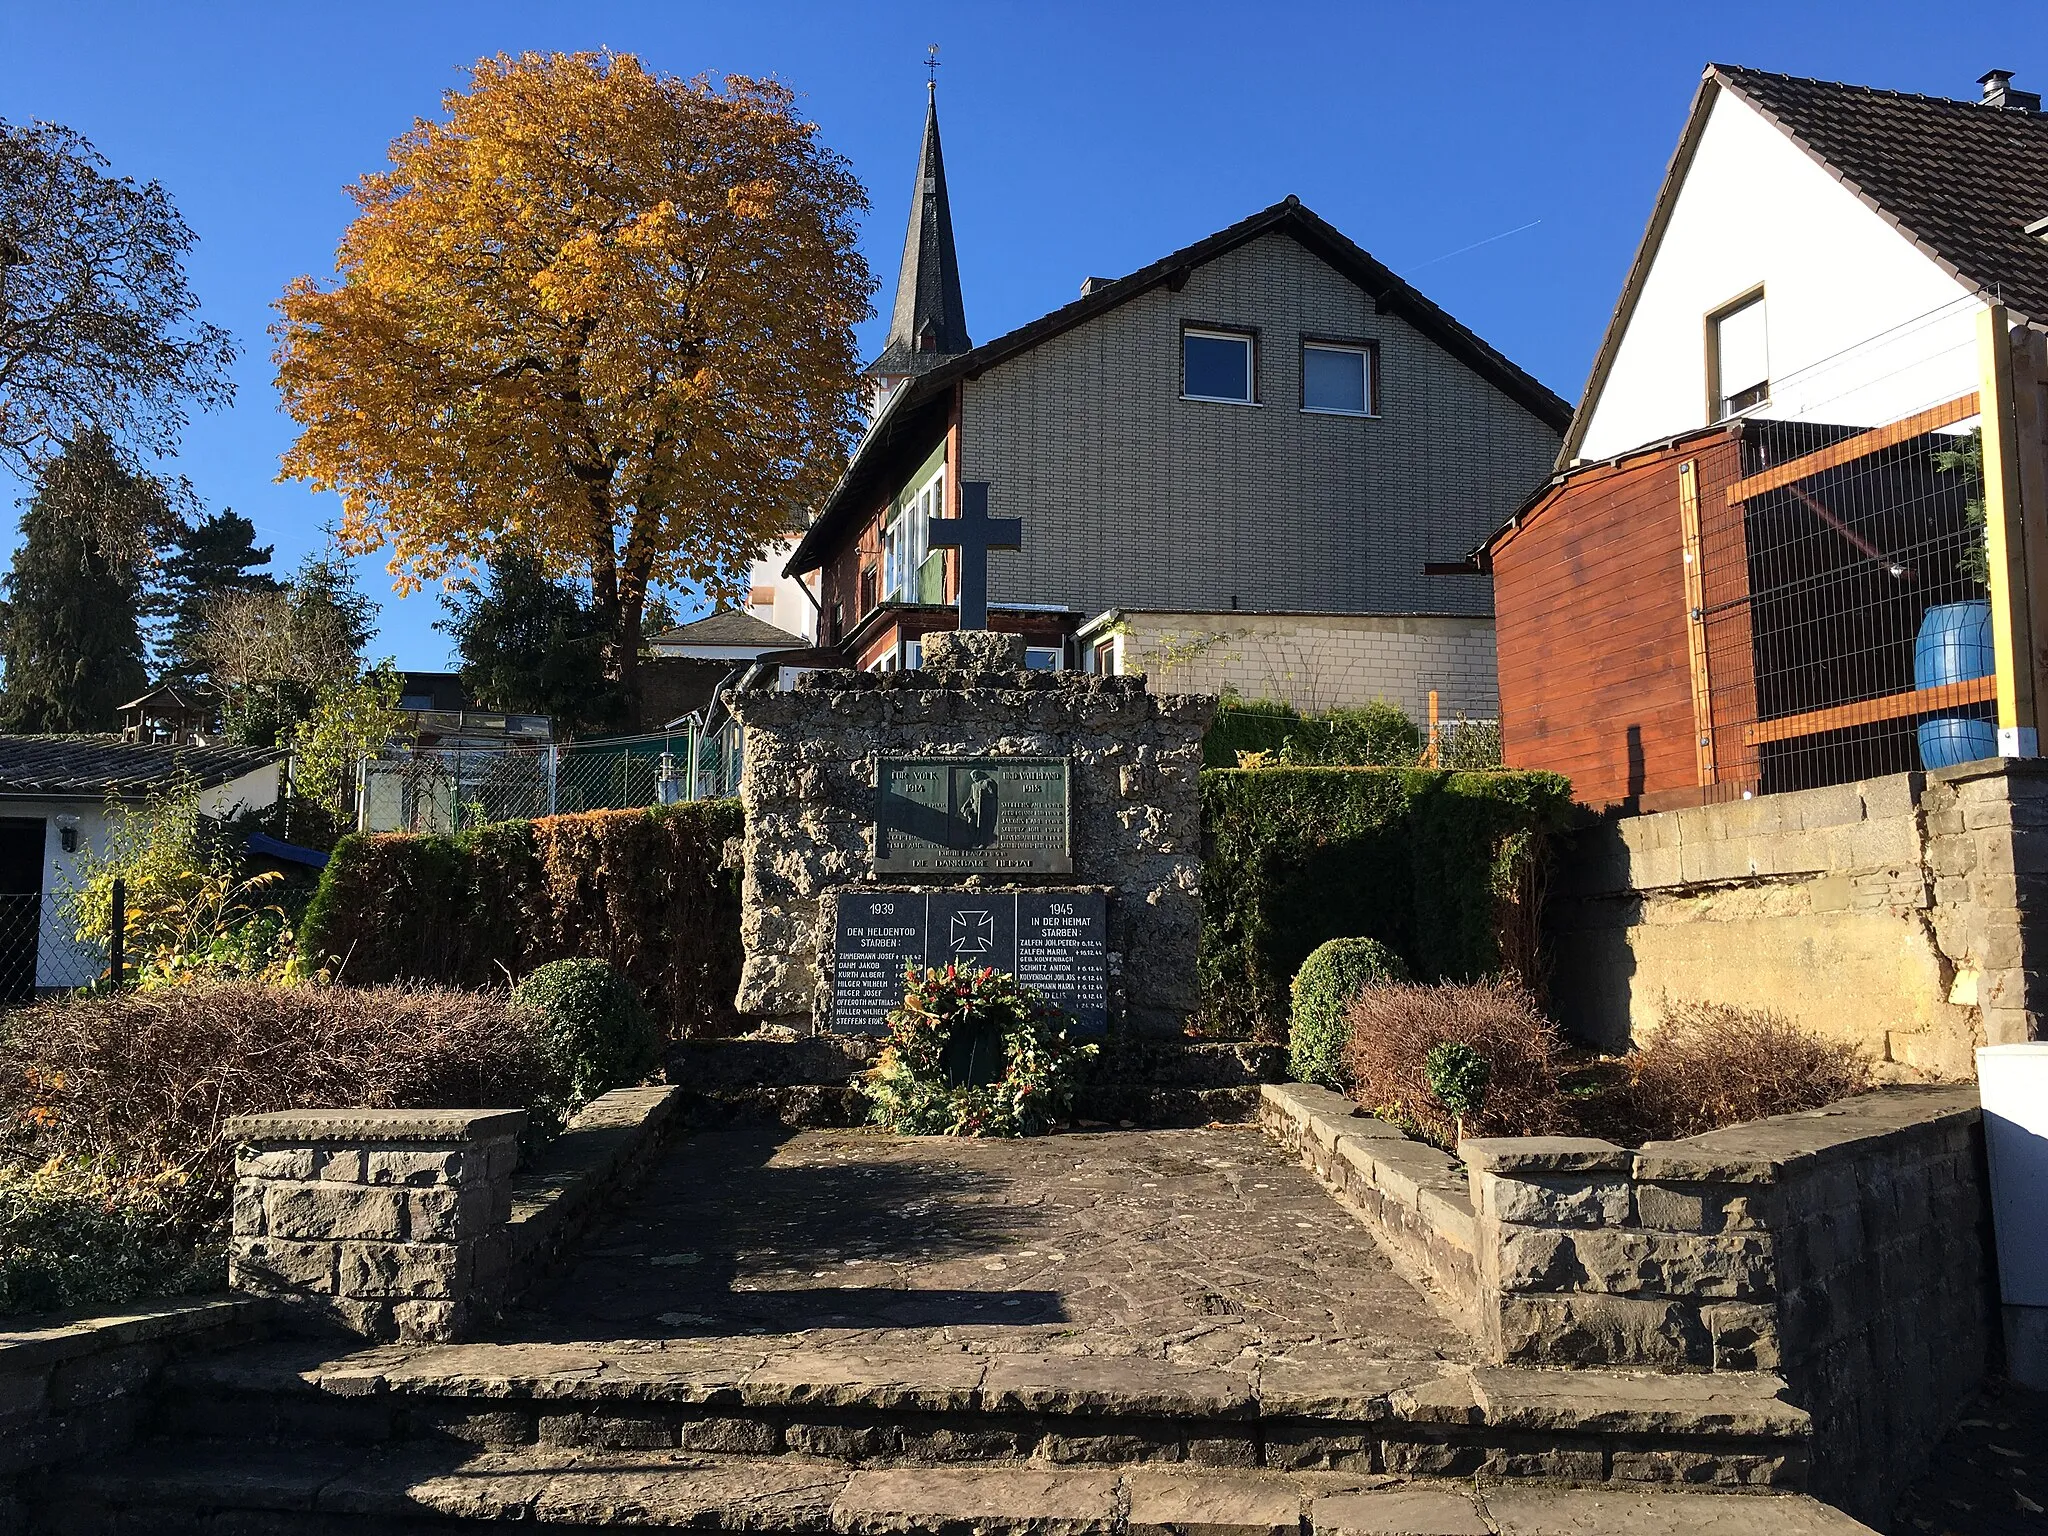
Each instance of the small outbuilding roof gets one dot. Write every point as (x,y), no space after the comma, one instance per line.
(730,627)
(94,767)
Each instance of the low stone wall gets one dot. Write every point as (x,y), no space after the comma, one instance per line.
(1915,895)
(1879,1220)
(1413,1196)
(1845,1249)
(78,1387)
(411,1224)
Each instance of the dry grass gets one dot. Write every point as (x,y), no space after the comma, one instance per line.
(143,1081)
(1394,1028)
(1709,1065)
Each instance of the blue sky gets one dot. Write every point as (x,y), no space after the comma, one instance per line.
(1080,139)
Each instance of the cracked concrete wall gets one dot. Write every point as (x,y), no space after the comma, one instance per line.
(1903,913)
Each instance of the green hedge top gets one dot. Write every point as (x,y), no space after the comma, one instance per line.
(1435,865)
(646,890)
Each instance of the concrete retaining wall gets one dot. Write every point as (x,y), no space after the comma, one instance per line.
(1899,913)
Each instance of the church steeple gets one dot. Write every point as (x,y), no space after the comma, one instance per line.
(929,324)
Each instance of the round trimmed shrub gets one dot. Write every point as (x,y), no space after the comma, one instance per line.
(592,1024)
(1323,989)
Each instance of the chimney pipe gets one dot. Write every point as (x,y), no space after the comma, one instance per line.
(1998,92)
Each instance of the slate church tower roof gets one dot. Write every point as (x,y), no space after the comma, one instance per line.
(929,324)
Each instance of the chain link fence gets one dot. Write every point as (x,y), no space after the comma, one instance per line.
(40,950)
(449,789)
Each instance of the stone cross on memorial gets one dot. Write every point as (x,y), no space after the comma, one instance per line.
(974,533)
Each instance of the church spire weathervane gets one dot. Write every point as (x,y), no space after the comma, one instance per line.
(928,323)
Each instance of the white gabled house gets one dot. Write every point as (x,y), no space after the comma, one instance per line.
(1821,245)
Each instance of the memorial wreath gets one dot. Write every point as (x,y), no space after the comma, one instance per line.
(973,1053)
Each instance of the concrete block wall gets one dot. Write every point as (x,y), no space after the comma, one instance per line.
(1320,661)
(1904,914)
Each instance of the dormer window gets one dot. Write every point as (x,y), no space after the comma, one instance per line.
(1738,357)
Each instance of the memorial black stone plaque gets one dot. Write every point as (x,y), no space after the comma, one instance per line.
(1056,942)
(972,816)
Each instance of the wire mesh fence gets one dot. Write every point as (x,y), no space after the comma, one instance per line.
(40,950)
(1796,597)
(1843,620)
(449,789)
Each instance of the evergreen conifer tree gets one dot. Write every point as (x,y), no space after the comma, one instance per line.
(71,635)
(215,555)
(529,644)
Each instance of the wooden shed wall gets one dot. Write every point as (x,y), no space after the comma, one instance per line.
(1590,617)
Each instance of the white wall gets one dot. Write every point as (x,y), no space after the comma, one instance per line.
(1754,208)
(1318,661)
(59,962)
(787,607)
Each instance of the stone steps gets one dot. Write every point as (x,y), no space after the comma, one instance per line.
(415,1489)
(805,1084)
(1419,1418)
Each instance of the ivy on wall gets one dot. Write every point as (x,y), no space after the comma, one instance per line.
(1440,867)
(647,890)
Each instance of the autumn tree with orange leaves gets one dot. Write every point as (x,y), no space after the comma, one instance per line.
(599,316)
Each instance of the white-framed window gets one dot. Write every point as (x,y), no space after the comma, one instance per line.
(913,655)
(906,541)
(1102,657)
(1738,357)
(1044,658)
(1339,379)
(1217,365)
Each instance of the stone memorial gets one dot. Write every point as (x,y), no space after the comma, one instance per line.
(971,812)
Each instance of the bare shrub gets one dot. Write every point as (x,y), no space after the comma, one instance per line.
(1711,1065)
(143,1081)
(1394,1029)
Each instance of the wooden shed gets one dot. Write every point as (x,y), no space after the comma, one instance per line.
(1744,608)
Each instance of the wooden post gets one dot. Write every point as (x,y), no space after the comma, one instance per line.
(1696,622)
(1436,759)
(2030,450)
(2006,540)
(117,933)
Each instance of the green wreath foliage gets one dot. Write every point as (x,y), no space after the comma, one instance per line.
(938,1075)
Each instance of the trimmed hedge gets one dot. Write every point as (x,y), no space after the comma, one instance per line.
(1378,734)
(646,890)
(1439,867)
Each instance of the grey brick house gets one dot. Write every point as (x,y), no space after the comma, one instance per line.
(1241,461)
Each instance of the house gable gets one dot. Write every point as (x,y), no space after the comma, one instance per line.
(1746,205)
(906,422)
(1135,495)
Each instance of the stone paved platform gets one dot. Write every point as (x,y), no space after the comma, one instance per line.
(1202,1247)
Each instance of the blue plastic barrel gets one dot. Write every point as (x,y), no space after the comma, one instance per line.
(1954,646)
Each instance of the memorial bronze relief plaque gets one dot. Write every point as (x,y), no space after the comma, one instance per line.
(973,816)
